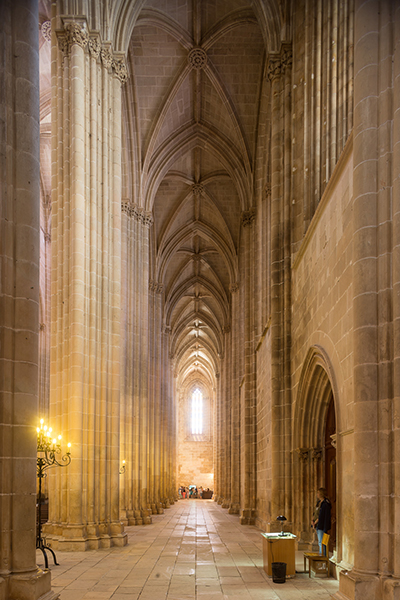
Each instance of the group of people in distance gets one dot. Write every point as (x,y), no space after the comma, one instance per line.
(194,492)
(321,519)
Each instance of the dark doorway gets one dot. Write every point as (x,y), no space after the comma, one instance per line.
(330,467)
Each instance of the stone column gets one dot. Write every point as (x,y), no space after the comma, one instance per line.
(19,300)
(234,337)
(224,394)
(155,391)
(371,378)
(279,76)
(247,408)
(395,550)
(135,426)
(86,286)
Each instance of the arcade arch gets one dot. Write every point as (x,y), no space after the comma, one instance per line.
(314,440)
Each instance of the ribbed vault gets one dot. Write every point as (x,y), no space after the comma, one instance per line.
(192,112)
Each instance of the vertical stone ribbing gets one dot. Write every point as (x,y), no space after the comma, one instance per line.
(277,308)
(235,409)
(287,240)
(366,377)
(138,425)
(19,299)
(395,549)
(86,290)
(247,408)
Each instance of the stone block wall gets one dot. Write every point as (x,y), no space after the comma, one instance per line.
(322,294)
(195,465)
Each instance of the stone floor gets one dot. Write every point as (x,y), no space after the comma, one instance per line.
(194,551)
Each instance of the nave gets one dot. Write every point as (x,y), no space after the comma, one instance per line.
(194,550)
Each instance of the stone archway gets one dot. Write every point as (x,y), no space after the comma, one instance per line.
(314,454)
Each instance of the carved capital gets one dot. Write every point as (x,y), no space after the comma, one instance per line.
(94,46)
(226,329)
(279,61)
(121,70)
(287,58)
(274,67)
(248,217)
(73,33)
(106,57)
(77,34)
(316,453)
(156,287)
(234,288)
(303,454)
(147,219)
(197,58)
(126,208)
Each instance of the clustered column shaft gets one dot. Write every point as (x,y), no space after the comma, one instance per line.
(86,282)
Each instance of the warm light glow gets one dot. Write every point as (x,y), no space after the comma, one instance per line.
(197,412)
(41,421)
(69,445)
(59,437)
(45,427)
(123,462)
(37,429)
(54,441)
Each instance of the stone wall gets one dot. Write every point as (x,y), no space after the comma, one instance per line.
(195,452)
(323,320)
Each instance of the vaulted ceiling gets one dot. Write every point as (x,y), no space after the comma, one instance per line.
(192,107)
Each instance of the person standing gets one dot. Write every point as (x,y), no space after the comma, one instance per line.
(323,524)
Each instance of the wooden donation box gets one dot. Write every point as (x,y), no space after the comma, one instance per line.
(279,548)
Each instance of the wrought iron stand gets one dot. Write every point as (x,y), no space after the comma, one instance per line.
(47,449)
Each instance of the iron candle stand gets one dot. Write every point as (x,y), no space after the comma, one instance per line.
(47,450)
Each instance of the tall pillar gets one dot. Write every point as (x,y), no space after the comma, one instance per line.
(247,407)
(135,423)
(19,300)
(235,407)
(279,74)
(373,492)
(86,286)
(395,549)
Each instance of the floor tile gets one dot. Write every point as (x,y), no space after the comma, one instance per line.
(194,551)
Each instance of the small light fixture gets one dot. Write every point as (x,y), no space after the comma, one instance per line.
(281,518)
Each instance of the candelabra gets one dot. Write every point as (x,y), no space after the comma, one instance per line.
(47,450)
(122,469)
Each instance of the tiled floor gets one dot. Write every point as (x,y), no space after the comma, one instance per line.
(194,551)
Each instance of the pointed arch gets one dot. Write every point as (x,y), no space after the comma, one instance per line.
(317,389)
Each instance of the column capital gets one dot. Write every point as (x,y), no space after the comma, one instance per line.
(106,56)
(94,45)
(234,288)
(248,216)
(316,454)
(303,454)
(120,69)
(278,62)
(75,32)
(156,287)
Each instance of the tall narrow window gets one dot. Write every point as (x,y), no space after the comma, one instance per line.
(197,412)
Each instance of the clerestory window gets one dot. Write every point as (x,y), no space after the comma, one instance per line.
(197,412)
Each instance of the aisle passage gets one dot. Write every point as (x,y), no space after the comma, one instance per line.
(196,550)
